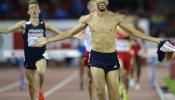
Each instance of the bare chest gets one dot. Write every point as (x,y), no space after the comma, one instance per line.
(103,25)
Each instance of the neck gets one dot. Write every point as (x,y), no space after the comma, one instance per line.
(102,13)
(34,20)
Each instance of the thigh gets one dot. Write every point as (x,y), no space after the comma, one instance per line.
(98,77)
(112,80)
(41,65)
(30,74)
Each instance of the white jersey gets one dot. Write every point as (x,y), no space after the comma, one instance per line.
(122,45)
(88,39)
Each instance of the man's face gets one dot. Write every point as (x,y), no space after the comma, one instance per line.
(92,6)
(102,5)
(33,10)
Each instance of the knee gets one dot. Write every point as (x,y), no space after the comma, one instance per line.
(90,81)
(40,70)
(30,84)
(100,92)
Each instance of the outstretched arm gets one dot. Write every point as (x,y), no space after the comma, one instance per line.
(70,33)
(19,25)
(138,34)
(81,26)
(52,28)
(60,37)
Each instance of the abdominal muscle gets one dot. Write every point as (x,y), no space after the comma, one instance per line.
(103,43)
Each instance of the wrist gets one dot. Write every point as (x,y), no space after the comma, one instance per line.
(158,40)
(47,40)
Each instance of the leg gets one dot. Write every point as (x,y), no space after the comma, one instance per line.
(138,66)
(138,72)
(127,68)
(112,80)
(126,79)
(98,77)
(81,61)
(90,84)
(41,67)
(122,89)
(30,74)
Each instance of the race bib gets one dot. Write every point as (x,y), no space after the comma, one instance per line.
(32,40)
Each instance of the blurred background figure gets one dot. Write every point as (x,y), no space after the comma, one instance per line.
(85,37)
(155,17)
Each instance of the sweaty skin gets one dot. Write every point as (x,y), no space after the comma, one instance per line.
(103,27)
(103,31)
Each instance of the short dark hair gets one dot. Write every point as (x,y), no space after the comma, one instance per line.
(32,2)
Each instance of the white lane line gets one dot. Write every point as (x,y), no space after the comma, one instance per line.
(50,91)
(61,84)
(9,87)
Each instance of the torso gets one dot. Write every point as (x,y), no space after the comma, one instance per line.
(103,31)
(33,33)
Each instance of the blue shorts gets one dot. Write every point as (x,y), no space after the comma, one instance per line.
(106,61)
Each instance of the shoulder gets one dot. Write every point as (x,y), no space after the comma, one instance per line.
(21,23)
(130,19)
(85,19)
(118,15)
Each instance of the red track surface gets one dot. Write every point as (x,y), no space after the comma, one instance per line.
(69,91)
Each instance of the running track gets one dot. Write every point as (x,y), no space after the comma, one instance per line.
(63,84)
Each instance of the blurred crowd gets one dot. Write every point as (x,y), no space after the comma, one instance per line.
(160,12)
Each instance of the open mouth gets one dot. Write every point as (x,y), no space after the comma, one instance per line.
(102,4)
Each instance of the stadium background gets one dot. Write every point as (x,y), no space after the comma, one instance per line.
(156,17)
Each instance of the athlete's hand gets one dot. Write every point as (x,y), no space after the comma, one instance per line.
(158,40)
(40,43)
